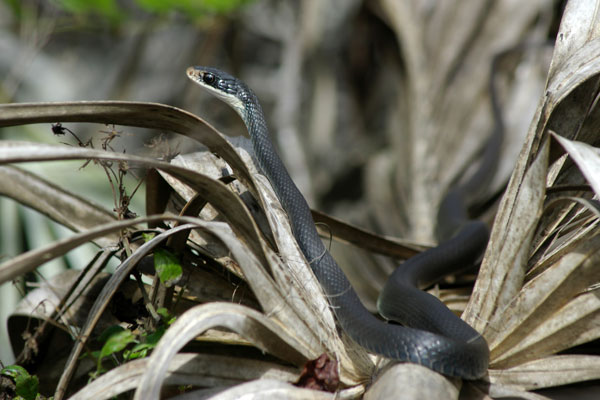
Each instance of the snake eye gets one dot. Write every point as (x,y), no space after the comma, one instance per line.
(208,78)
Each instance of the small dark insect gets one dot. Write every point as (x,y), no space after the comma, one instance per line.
(58,129)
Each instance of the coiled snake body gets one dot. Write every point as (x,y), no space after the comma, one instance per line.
(432,335)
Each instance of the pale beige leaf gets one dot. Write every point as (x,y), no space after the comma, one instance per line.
(274,299)
(548,314)
(544,295)
(564,231)
(571,90)
(215,192)
(575,323)
(28,261)
(548,372)
(573,72)
(261,389)
(147,115)
(413,382)
(295,299)
(62,206)
(579,25)
(187,369)
(511,392)
(303,292)
(447,48)
(587,159)
(102,301)
(503,267)
(250,324)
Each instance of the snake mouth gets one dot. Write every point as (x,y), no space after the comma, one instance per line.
(193,73)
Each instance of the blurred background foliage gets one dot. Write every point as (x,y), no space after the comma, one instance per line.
(120,12)
(329,75)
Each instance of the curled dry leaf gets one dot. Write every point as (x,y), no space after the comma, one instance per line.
(541,305)
(587,159)
(306,315)
(507,253)
(294,298)
(304,293)
(266,389)
(214,191)
(273,299)
(548,372)
(186,369)
(62,206)
(102,301)
(32,259)
(417,382)
(443,103)
(252,325)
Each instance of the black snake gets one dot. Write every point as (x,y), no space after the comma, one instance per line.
(432,335)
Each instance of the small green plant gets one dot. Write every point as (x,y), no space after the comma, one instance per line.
(167,266)
(26,385)
(117,340)
(166,263)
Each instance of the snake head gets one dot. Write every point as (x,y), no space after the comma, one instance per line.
(222,85)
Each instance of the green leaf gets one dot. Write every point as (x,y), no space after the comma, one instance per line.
(163,312)
(12,371)
(157,6)
(154,337)
(223,6)
(167,266)
(15,6)
(194,8)
(116,342)
(108,332)
(91,354)
(26,386)
(148,236)
(142,349)
(167,318)
(107,8)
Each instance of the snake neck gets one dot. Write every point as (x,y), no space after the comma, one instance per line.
(286,190)
(255,122)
